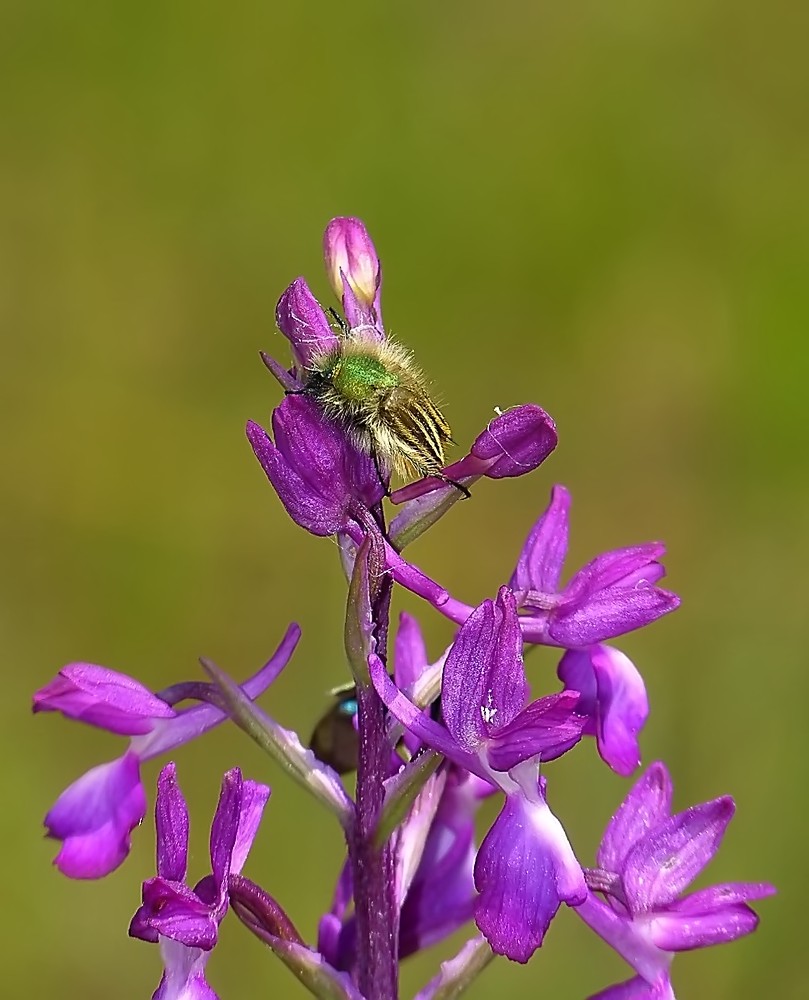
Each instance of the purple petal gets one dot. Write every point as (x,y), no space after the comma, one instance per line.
(614,696)
(102,698)
(484,684)
(548,727)
(686,931)
(671,856)
(302,321)
(429,733)
(171,821)
(646,807)
(610,613)
(710,916)
(442,895)
(315,470)
(172,910)
(524,869)
(539,566)
(410,653)
(717,897)
(254,799)
(225,825)
(95,816)
(184,976)
(638,989)
(616,568)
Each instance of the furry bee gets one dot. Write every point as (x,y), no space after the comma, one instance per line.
(375,391)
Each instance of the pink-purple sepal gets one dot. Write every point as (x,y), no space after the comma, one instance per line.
(319,476)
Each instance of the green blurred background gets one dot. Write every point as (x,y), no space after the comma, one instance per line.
(601,207)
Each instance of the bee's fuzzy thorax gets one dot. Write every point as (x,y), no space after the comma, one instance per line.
(377,393)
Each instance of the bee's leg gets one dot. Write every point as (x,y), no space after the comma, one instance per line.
(385,483)
(295,392)
(338,319)
(451,482)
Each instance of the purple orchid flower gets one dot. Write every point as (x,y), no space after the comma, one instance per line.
(185,922)
(525,864)
(646,859)
(95,816)
(613,594)
(613,697)
(355,273)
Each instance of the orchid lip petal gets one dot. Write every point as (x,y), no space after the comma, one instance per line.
(95,816)
(184,973)
(524,870)
(613,695)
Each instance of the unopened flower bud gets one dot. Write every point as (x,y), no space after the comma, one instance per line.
(353,269)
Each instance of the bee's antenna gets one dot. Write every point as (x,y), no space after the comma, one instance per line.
(385,484)
(338,319)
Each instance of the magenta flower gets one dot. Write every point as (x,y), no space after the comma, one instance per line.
(184,921)
(613,594)
(95,816)
(355,273)
(525,864)
(646,859)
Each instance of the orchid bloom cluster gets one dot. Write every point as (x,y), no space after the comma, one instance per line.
(430,740)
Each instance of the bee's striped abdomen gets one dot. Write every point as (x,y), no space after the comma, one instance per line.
(420,428)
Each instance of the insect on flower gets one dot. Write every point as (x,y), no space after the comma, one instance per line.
(375,391)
